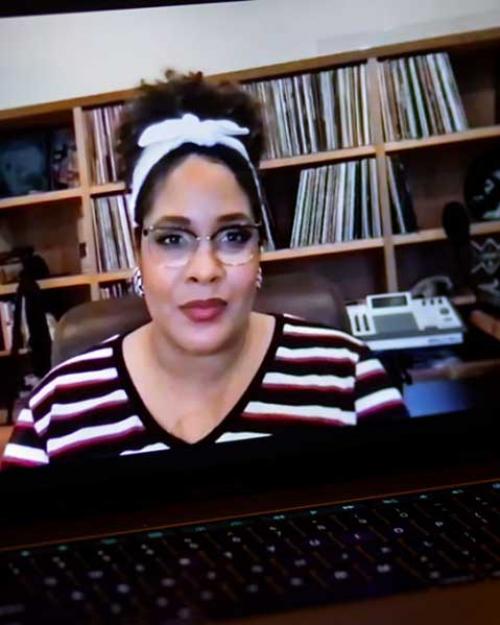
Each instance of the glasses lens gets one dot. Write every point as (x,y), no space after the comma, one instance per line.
(236,244)
(170,247)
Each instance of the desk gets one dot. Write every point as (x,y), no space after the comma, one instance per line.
(458,370)
(447,378)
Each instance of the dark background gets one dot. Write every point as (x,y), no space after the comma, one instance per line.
(41,7)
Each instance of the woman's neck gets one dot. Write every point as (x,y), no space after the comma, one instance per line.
(198,369)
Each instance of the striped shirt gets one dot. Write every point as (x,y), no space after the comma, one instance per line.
(310,375)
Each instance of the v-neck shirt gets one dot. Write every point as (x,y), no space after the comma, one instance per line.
(174,441)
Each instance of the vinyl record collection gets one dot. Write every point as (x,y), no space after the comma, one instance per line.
(102,124)
(341,203)
(116,289)
(403,216)
(420,97)
(314,112)
(337,203)
(113,233)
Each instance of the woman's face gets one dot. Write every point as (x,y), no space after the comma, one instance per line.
(204,305)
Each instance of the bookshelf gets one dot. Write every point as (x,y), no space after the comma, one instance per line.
(61,226)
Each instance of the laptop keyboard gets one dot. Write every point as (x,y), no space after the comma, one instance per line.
(258,564)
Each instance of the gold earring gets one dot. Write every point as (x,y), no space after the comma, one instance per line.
(137,284)
(259,279)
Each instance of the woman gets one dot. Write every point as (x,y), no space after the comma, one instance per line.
(206,369)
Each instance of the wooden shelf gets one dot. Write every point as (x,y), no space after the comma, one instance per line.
(342,247)
(424,236)
(53,283)
(45,197)
(113,276)
(485,227)
(343,154)
(75,280)
(438,234)
(110,188)
(474,134)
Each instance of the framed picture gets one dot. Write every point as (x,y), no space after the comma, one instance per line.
(63,159)
(24,163)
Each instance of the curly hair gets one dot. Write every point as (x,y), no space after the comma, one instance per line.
(190,93)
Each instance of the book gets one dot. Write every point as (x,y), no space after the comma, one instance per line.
(387,126)
(98,239)
(358,198)
(298,211)
(327,95)
(318,113)
(364,106)
(306,84)
(102,123)
(450,89)
(6,324)
(356,106)
(439,92)
(340,202)
(313,112)
(127,230)
(407,102)
(430,98)
(365,229)
(344,115)
(319,235)
(393,107)
(402,212)
(329,199)
(376,218)
(418,98)
(303,143)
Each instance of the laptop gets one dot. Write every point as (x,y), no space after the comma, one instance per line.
(369,524)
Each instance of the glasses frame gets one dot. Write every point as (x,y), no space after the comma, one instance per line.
(209,237)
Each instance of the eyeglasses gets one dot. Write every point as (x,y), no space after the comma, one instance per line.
(174,247)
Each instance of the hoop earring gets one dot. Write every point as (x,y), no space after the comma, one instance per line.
(259,278)
(137,284)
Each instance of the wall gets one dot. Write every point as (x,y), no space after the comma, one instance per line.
(53,57)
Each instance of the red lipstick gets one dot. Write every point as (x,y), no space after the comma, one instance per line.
(203,310)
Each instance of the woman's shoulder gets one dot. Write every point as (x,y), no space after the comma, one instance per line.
(315,332)
(79,369)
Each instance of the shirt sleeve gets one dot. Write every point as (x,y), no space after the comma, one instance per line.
(376,397)
(26,448)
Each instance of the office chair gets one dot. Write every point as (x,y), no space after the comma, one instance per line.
(309,296)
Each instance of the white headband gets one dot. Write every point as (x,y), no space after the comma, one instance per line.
(161,138)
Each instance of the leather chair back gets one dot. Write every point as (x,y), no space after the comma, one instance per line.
(308,296)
